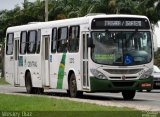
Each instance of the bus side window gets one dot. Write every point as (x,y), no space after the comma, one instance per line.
(32,41)
(38,41)
(23,42)
(54,39)
(62,39)
(9,45)
(74,39)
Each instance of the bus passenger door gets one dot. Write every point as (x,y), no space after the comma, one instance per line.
(84,68)
(16,55)
(45,60)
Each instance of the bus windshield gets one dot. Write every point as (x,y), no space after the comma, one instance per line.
(121,47)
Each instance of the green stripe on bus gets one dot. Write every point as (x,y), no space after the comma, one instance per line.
(61,72)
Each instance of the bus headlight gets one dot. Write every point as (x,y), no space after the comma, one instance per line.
(146,74)
(98,74)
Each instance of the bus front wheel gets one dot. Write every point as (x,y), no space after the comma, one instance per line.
(128,94)
(73,87)
(148,90)
(28,83)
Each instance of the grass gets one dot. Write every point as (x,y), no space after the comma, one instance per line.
(3,82)
(40,106)
(42,103)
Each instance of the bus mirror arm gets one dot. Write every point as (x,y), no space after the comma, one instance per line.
(90,42)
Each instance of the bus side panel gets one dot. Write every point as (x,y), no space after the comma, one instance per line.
(9,69)
(33,64)
(22,69)
(72,64)
(60,65)
(55,64)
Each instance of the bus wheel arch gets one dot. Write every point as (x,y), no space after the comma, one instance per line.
(28,82)
(72,86)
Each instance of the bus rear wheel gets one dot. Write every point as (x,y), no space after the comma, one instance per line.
(128,94)
(28,83)
(73,87)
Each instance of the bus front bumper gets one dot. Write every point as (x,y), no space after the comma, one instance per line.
(103,85)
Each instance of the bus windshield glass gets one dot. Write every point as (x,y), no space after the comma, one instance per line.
(121,47)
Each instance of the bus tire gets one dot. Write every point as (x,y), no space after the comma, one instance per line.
(73,87)
(38,90)
(148,90)
(128,94)
(28,84)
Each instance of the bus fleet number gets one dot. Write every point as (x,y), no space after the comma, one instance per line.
(71,60)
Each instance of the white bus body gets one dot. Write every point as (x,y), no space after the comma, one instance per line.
(63,54)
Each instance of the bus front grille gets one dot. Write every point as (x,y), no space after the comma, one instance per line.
(119,78)
(123,71)
(115,78)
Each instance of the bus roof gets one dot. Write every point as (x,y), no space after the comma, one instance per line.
(71,21)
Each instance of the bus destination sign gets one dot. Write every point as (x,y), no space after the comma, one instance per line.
(120,23)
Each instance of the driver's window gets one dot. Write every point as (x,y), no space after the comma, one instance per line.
(144,40)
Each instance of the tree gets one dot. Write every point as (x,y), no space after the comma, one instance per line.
(101,6)
(149,8)
(61,9)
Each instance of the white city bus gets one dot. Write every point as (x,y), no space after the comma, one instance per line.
(95,53)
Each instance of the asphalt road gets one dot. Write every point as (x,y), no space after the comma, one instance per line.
(148,101)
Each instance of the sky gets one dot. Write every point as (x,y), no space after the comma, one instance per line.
(10,4)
